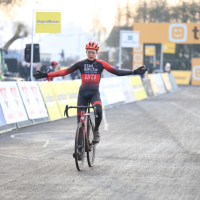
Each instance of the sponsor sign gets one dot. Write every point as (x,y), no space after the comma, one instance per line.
(195,71)
(166,80)
(182,77)
(157,33)
(173,82)
(32,99)
(169,48)
(129,39)
(153,83)
(127,89)
(137,87)
(61,96)
(72,93)
(149,50)
(48,22)
(160,83)
(2,119)
(50,100)
(78,83)
(102,87)
(11,103)
(147,86)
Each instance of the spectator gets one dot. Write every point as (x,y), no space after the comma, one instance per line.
(5,68)
(168,67)
(21,70)
(44,67)
(51,68)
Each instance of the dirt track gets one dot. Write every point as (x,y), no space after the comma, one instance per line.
(150,151)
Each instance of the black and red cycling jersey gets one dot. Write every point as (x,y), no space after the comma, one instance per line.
(90,72)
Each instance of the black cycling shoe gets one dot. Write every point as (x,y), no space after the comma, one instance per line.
(79,156)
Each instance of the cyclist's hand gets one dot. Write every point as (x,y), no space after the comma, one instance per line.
(140,70)
(40,74)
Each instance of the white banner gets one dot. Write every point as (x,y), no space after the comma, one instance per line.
(32,100)
(11,103)
(117,91)
(127,89)
(129,39)
(159,81)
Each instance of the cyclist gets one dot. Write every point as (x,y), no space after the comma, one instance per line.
(50,69)
(91,70)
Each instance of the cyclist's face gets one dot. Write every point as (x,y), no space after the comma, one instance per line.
(91,54)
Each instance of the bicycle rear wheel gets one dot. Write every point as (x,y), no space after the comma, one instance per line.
(91,148)
(79,147)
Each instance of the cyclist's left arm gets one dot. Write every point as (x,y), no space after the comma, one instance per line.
(117,72)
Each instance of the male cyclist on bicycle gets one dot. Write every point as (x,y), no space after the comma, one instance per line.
(91,70)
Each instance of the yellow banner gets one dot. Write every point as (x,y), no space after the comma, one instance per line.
(182,77)
(166,80)
(169,48)
(78,83)
(72,92)
(138,88)
(195,71)
(149,51)
(48,22)
(61,95)
(154,86)
(50,100)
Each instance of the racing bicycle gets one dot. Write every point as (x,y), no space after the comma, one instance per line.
(84,137)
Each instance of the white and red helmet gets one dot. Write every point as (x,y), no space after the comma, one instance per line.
(54,63)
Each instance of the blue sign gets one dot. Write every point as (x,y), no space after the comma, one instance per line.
(2,119)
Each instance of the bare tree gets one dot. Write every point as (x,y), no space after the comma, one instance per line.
(10,9)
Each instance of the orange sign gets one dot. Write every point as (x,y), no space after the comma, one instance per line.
(164,33)
(195,71)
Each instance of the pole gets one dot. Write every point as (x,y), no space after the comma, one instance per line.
(31,71)
(120,51)
(161,57)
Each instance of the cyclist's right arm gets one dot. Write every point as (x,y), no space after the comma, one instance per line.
(64,71)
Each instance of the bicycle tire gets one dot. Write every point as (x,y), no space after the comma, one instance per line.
(91,148)
(79,148)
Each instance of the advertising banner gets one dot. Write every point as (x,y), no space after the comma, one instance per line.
(61,96)
(50,101)
(72,93)
(149,50)
(169,48)
(147,86)
(153,83)
(129,38)
(78,83)
(167,82)
(108,91)
(138,88)
(32,99)
(173,82)
(195,71)
(127,89)
(182,77)
(102,87)
(11,103)
(48,22)
(160,83)
(2,119)
(116,89)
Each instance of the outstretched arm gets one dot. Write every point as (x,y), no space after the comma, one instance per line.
(140,70)
(117,72)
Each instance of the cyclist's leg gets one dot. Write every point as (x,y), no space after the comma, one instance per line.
(96,101)
(82,101)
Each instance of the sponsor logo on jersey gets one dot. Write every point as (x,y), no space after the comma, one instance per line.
(91,68)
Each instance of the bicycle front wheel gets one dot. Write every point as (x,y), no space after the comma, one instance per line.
(79,147)
(91,148)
